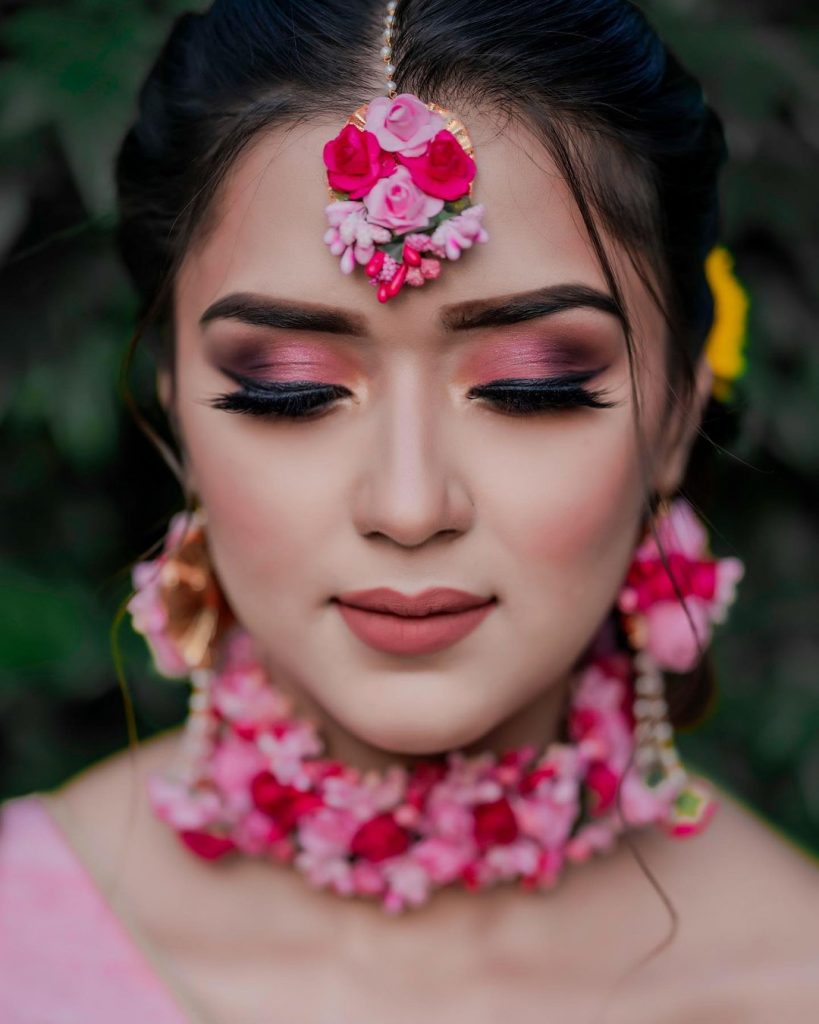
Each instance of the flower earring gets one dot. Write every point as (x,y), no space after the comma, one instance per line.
(179,608)
(664,638)
(178,605)
(653,616)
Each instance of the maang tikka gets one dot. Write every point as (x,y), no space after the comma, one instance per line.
(400,176)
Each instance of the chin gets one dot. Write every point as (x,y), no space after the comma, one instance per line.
(420,734)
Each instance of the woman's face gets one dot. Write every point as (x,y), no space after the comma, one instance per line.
(407,480)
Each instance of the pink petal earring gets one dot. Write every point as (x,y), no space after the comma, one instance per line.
(400,177)
(179,607)
(664,638)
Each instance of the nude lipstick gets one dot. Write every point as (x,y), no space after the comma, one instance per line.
(397,623)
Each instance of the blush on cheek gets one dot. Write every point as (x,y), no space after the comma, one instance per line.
(256,552)
(590,521)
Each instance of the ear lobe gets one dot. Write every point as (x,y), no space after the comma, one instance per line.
(674,459)
(164,390)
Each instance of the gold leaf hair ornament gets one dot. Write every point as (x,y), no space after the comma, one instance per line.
(726,339)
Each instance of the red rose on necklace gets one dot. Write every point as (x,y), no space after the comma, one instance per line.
(379,838)
(207,846)
(602,782)
(355,161)
(285,804)
(495,823)
(444,170)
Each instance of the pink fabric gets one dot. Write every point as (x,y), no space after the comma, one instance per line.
(65,957)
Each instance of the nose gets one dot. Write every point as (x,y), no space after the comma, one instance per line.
(411,488)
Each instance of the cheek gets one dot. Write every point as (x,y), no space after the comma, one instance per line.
(575,517)
(266,514)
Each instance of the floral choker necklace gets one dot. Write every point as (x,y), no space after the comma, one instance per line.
(251,779)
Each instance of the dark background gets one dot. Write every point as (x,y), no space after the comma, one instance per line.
(83,493)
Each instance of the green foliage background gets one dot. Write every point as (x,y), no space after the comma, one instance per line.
(83,493)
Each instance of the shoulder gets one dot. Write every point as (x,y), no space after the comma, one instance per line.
(746,898)
(107,795)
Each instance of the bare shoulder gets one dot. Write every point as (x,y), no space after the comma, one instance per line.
(743,860)
(110,792)
(747,942)
(104,814)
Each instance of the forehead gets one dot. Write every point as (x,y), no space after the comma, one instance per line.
(265,232)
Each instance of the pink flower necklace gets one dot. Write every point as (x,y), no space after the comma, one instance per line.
(251,779)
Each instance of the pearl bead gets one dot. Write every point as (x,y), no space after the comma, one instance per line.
(386,52)
(669,757)
(663,731)
(390,69)
(648,684)
(391,6)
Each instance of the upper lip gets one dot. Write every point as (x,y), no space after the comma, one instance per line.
(428,602)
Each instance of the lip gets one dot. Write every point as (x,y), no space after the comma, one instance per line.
(424,623)
(428,602)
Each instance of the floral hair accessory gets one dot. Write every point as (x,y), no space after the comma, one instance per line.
(723,347)
(400,176)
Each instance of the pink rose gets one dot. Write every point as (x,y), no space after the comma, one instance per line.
(355,162)
(671,640)
(403,124)
(397,203)
(445,170)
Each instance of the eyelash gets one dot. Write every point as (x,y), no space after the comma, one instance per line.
(299,400)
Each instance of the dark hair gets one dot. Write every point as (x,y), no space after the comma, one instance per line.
(627,125)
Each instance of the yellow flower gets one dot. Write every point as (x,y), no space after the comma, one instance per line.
(723,347)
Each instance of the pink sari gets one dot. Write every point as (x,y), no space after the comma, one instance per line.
(65,957)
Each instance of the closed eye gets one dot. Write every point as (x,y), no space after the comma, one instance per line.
(299,400)
(276,399)
(529,395)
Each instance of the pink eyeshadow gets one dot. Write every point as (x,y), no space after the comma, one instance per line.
(289,361)
(528,357)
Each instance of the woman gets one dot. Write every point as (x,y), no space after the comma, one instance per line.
(437,557)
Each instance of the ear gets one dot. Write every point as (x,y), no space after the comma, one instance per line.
(673,457)
(165,394)
(164,390)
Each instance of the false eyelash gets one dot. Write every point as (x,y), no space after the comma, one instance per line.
(512,396)
(291,400)
(519,396)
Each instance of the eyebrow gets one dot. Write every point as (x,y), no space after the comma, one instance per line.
(264,311)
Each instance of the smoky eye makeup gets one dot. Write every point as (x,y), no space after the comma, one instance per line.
(517,375)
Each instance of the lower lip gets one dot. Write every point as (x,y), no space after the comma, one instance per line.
(402,634)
